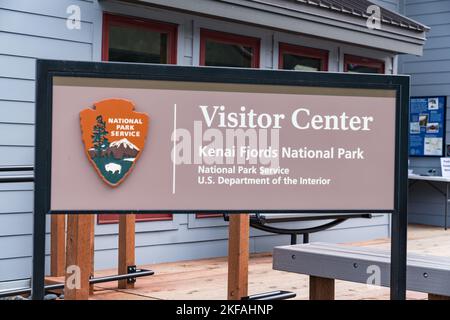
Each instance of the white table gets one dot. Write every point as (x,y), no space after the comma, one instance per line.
(430,180)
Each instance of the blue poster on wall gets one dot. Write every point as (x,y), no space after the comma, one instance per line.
(427,126)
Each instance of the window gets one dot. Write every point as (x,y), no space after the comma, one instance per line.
(228,50)
(362,65)
(127,39)
(292,57)
(114,218)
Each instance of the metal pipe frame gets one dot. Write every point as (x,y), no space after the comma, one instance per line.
(273,295)
(138,274)
(261,223)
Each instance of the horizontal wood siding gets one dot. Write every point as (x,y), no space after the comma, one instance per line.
(430,75)
(29,30)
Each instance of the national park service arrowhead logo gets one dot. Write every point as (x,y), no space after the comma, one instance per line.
(114,138)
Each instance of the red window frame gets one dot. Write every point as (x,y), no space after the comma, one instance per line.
(125,21)
(229,38)
(207,215)
(112,218)
(308,52)
(363,61)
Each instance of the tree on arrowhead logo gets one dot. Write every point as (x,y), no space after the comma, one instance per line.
(114,138)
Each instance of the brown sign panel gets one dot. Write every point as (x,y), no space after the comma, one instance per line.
(220,146)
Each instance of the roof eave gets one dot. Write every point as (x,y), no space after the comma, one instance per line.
(309,22)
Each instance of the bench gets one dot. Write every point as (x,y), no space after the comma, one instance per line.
(269,222)
(325,262)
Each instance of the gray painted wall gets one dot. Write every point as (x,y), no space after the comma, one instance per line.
(393,5)
(36,29)
(430,75)
(29,30)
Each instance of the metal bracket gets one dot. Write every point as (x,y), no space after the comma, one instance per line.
(131,269)
(273,295)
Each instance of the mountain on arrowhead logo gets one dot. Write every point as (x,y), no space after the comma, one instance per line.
(114,138)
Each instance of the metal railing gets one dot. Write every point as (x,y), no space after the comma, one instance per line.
(60,286)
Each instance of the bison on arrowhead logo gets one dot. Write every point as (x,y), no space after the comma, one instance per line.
(114,138)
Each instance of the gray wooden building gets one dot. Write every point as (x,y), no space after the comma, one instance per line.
(269,34)
(430,76)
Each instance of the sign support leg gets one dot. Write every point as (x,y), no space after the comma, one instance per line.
(126,247)
(399,228)
(92,251)
(58,245)
(38,277)
(78,257)
(238,256)
(398,256)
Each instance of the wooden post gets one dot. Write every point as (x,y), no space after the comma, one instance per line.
(127,224)
(437,297)
(78,257)
(92,252)
(321,288)
(58,245)
(238,255)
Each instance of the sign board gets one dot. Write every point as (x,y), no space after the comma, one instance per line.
(427,126)
(445,167)
(133,138)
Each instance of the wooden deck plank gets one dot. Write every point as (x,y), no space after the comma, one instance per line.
(207,278)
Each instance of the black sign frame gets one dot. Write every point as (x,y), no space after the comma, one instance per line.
(47,69)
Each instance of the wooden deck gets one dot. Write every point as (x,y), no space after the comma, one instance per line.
(207,279)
